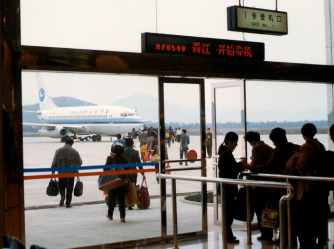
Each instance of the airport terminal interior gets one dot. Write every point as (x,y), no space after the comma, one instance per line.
(118,119)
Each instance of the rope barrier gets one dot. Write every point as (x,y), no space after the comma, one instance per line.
(90,167)
(108,172)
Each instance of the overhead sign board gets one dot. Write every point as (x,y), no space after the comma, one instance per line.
(255,20)
(199,46)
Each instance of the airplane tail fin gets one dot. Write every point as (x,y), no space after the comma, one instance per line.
(44,100)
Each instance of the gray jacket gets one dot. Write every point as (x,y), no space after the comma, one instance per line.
(66,157)
(184,141)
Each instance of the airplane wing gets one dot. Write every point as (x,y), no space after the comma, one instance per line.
(72,128)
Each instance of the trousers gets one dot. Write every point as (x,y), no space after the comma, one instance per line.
(66,189)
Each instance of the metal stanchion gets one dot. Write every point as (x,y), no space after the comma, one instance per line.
(282,223)
(174,214)
(248,214)
(289,221)
(223,214)
(285,220)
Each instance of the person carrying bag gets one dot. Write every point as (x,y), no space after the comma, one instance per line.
(115,185)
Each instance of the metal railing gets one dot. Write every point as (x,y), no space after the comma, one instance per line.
(246,183)
(291,177)
(186,168)
(288,179)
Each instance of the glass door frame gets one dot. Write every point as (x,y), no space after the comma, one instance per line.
(214,87)
(162,132)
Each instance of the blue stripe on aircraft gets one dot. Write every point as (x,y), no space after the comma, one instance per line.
(92,121)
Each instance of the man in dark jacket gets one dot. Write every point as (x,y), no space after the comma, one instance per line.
(184,145)
(66,157)
(229,168)
(282,152)
(277,164)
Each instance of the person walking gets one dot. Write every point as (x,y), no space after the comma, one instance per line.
(117,193)
(229,168)
(208,142)
(66,157)
(132,156)
(184,145)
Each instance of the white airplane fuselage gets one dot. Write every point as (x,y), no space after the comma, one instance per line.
(101,120)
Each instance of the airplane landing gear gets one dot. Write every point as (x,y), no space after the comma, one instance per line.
(96,138)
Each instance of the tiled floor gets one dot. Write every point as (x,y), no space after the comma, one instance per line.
(60,228)
(214,241)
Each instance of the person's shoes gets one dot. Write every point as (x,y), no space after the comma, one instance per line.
(109,217)
(122,220)
(68,205)
(130,208)
(61,203)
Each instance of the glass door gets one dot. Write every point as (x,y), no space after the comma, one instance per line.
(181,130)
(228,114)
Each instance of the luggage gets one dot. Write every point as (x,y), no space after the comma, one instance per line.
(131,196)
(269,217)
(109,182)
(52,188)
(78,189)
(240,210)
(143,195)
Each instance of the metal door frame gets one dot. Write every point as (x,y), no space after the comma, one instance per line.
(162,130)
(221,85)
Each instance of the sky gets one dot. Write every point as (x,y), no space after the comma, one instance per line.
(116,25)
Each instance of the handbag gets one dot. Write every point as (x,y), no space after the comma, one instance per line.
(143,195)
(269,217)
(78,189)
(52,188)
(240,210)
(110,182)
(131,196)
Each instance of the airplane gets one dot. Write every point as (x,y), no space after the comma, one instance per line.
(83,122)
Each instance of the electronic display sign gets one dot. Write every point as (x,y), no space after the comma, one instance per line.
(255,20)
(200,46)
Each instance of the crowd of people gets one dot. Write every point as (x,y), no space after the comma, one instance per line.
(122,152)
(310,204)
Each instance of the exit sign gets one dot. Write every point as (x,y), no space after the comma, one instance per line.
(254,20)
